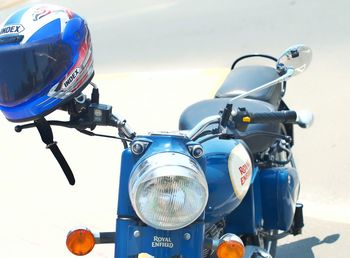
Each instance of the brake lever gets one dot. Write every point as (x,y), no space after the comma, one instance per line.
(243,136)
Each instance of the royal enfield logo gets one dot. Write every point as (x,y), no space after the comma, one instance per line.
(12,29)
(245,171)
(71,78)
(162,242)
(240,170)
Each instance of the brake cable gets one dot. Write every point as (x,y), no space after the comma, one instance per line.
(89,133)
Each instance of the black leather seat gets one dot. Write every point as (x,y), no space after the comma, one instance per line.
(246,78)
(200,110)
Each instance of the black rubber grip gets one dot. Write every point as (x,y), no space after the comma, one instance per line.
(274,117)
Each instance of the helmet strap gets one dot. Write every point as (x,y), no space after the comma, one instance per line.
(46,134)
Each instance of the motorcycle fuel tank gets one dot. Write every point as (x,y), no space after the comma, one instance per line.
(228,173)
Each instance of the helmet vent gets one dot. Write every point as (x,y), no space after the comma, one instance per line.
(11,39)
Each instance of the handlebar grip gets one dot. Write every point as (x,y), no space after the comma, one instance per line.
(286,116)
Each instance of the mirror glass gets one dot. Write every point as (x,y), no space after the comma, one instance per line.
(297,57)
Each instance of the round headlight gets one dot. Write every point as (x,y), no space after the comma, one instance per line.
(168,191)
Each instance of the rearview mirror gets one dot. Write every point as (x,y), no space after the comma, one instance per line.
(297,57)
(293,61)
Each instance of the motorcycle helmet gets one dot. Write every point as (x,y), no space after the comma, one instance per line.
(45,61)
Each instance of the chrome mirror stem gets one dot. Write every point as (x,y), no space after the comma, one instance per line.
(289,73)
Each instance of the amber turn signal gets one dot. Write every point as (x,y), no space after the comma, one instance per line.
(231,247)
(80,242)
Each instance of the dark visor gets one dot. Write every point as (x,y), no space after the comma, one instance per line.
(27,69)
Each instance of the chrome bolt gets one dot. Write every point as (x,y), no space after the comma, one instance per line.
(187,236)
(137,233)
(196,151)
(138,147)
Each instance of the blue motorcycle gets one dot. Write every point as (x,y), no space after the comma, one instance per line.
(225,185)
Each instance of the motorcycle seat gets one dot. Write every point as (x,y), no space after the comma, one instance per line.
(246,78)
(257,143)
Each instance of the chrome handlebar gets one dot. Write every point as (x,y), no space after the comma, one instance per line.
(200,127)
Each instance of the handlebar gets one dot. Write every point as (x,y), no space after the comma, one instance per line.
(97,115)
(243,118)
(239,120)
(285,116)
(202,125)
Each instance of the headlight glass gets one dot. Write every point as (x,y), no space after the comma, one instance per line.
(168,191)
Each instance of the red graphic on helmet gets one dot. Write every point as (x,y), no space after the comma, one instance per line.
(78,75)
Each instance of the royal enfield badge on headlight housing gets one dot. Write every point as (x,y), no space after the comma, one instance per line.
(168,190)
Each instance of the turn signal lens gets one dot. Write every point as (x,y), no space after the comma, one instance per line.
(80,242)
(232,248)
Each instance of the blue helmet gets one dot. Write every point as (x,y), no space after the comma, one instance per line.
(45,61)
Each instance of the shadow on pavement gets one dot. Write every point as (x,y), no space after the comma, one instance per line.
(303,247)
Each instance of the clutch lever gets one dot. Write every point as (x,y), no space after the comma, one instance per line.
(68,124)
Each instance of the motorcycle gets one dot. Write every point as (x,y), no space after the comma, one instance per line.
(224,185)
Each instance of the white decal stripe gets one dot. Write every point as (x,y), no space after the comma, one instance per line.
(34,26)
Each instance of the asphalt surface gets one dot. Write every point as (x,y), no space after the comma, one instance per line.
(153,58)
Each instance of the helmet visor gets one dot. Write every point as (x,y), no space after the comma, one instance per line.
(27,69)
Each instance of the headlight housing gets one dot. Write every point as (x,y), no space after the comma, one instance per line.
(168,191)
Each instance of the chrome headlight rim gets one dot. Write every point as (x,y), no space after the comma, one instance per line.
(170,166)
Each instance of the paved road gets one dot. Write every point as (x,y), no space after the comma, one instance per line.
(153,58)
